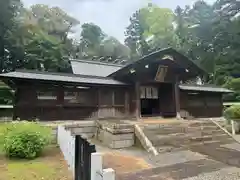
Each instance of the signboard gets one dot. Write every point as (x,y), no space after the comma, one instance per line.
(161,73)
(168,57)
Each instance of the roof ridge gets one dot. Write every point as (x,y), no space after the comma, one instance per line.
(61,74)
(98,62)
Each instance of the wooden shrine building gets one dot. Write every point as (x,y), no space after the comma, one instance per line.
(151,86)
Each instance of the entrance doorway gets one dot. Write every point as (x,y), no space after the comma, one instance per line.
(158,100)
(150,101)
(150,107)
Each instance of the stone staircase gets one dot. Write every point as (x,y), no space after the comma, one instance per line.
(184,135)
(188,150)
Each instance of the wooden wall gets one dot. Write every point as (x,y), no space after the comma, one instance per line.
(93,103)
(200,104)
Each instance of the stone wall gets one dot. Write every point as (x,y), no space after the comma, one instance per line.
(111,134)
(115,136)
(85,128)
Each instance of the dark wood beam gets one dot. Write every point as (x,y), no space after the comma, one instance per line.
(177,97)
(138,102)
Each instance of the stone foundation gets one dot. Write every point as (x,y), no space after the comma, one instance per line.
(86,129)
(115,135)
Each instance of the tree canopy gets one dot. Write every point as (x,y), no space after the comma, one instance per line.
(40,38)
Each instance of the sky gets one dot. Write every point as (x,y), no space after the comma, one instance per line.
(111,15)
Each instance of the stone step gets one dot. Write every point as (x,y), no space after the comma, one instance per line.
(153,136)
(213,143)
(180,140)
(160,126)
(164,149)
(174,129)
(183,131)
(201,123)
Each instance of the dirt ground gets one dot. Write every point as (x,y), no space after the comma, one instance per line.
(124,164)
(51,166)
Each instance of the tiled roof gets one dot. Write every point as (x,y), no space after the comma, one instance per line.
(208,88)
(93,68)
(61,77)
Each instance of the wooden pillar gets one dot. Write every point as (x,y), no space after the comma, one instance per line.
(15,101)
(60,101)
(98,103)
(60,95)
(126,103)
(138,102)
(177,98)
(113,104)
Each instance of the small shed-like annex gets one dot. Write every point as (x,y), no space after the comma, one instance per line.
(201,101)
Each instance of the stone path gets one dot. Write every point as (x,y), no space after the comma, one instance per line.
(215,159)
(199,163)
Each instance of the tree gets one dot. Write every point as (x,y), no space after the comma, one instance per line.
(134,33)
(8,11)
(159,25)
(95,43)
(111,47)
(44,52)
(234,84)
(52,20)
(91,38)
(150,28)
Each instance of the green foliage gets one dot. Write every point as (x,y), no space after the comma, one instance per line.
(95,43)
(34,38)
(233,84)
(232,113)
(134,33)
(25,139)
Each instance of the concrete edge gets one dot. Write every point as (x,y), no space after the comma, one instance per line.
(228,133)
(147,143)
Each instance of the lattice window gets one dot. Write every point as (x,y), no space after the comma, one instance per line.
(46,95)
(84,97)
(149,92)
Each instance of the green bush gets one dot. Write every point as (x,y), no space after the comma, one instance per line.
(232,113)
(25,139)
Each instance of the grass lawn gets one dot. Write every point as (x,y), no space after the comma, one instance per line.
(51,166)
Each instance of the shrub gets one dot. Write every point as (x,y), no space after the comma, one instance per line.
(25,139)
(232,113)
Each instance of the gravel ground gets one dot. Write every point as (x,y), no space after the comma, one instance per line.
(171,158)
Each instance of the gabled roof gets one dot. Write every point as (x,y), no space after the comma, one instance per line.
(60,77)
(179,58)
(93,68)
(97,68)
(207,88)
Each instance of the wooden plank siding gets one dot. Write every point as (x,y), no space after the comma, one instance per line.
(200,104)
(97,103)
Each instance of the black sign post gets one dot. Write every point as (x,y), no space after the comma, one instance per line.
(83,151)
